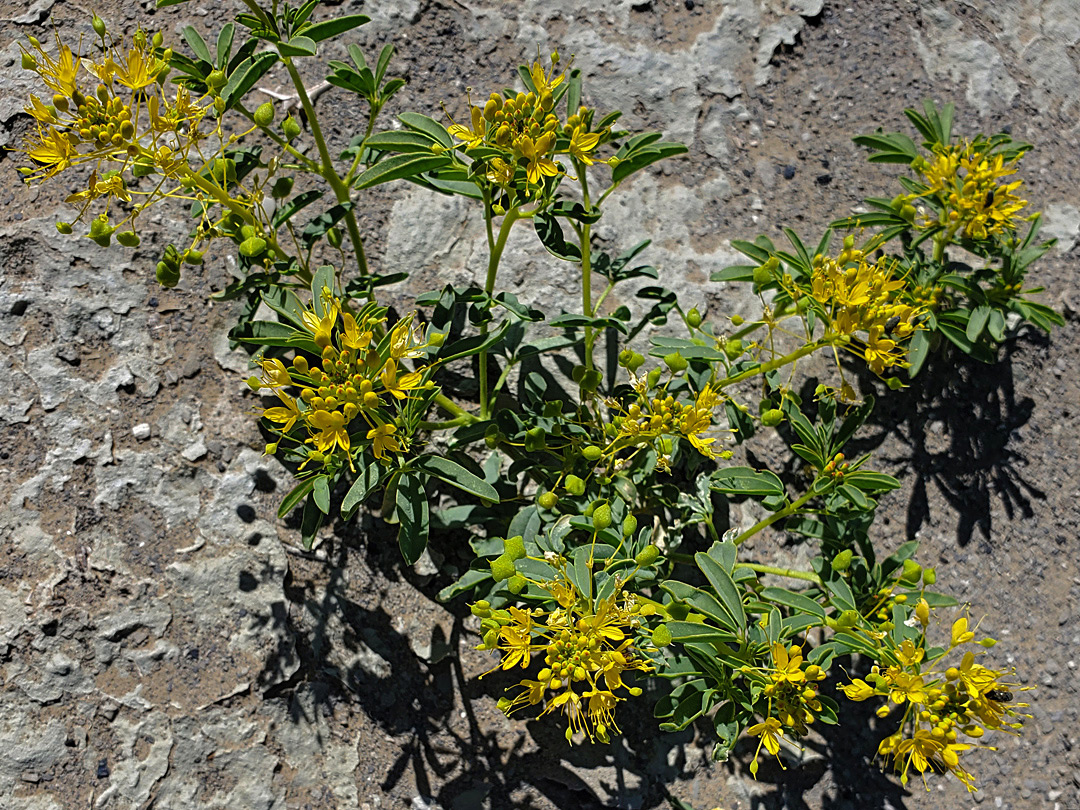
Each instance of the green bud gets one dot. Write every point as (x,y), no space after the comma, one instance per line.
(911,573)
(733,348)
(334,237)
(849,242)
(535,439)
(575,485)
(158,39)
(517,584)
(264,114)
(907,213)
(502,567)
(929,576)
(772,417)
(290,128)
(590,380)
(252,247)
(492,436)
(547,500)
(98,25)
(63,227)
(675,362)
(281,188)
(514,548)
(601,517)
(167,276)
(635,362)
(217,79)
(647,556)
(481,608)
(28,61)
(693,318)
(661,636)
(629,525)
(652,378)
(577,374)
(849,618)
(842,561)
(193,257)
(678,611)
(737,320)
(219,105)
(591,452)
(128,239)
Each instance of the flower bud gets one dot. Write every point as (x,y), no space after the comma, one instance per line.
(661,636)
(335,237)
(157,40)
(98,25)
(216,80)
(629,525)
(128,239)
(733,348)
(517,583)
(911,573)
(28,61)
(591,452)
(547,500)
(929,576)
(675,362)
(270,449)
(290,128)
(193,257)
(693,318)
(848,618)
(482,608)
(601,517)
(647,556)
(264,114)
(772,417)
(167,276)
(63,227)
(502,567)
(252,247)
(281,188)
(514,548)
(575,485)
(842,561)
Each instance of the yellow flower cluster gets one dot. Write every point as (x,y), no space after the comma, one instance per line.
(939,704)
(112,111)
(650,419)
(359,377)
(524,130)
(964,179)
(867,302)
(792,699)
(587,647)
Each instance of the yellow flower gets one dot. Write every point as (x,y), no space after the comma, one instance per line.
(60,73)
(52,150)
(383,441)
(286,416)
(404,340)
(275,375)
(539,164)
(400,386)
(770,732)
(905,686)
(788,665)
(138,69)
(500,172)
(39,111)
(858,690)
(332,432)
(960,632)
(909,654)
(472,137)
(581,143)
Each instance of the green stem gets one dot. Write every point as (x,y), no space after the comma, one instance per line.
(586,267)
(454,409)
(307,162)
(372,115)
(781,572)
(341,191)
(465,419)
(495,247)
(787,511)
(765,368)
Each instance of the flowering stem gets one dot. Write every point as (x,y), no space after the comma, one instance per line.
(327,171)
(781,572)
(765,368)
(586,268)
(495,247)
(787,511)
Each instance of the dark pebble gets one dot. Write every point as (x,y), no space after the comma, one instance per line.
(689,5)
(788,172)
(823,179)
(103,769)
(152,303)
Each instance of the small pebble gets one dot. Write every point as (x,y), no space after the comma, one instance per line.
(788,172)
(141,431)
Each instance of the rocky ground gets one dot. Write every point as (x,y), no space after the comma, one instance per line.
(161,647)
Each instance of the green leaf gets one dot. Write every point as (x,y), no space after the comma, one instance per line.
(841,594)
(385,55)
(979,316)
(321,493)
(310,522)
(869,481)
(296,494)
(570,320)
(318,227)
(400,141)
(246,74)
(298,46)
(272,333)
(747,481)
(466,582)
(324,277)
(399,167)
(453,473)
(551,236)
(412,514)
(725,589)
(429,126)
(297,203)
(796,601)
(575,211)
(331,28)
(224,45)
(735,272)
(197,44)
(362,487)
(918,351)
(646,156)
